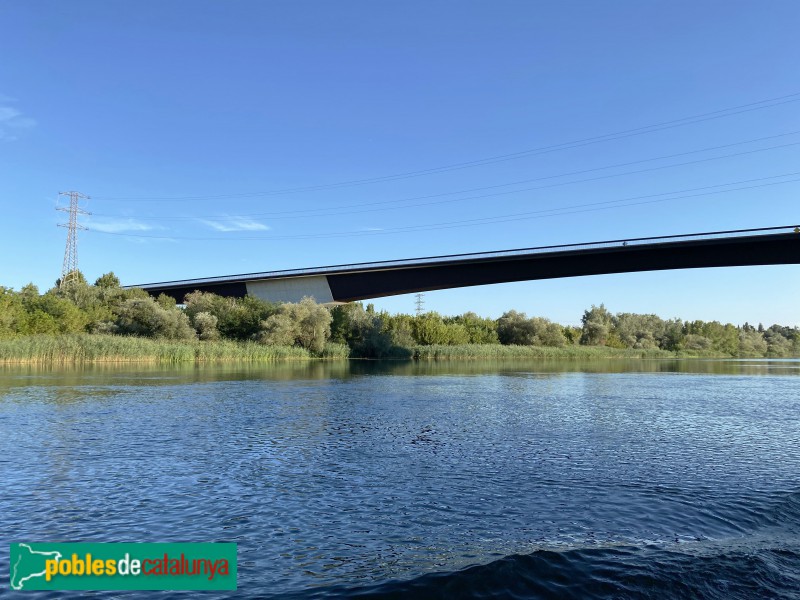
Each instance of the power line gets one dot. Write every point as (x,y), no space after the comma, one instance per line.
(691,120)
(337,210)
(538,214)
(69,268)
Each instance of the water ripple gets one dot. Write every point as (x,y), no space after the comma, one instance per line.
(501,483)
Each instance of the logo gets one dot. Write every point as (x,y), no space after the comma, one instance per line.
(86,566)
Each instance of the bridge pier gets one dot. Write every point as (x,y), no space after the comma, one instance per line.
(292,289)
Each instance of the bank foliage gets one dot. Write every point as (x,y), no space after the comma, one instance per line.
(104,321)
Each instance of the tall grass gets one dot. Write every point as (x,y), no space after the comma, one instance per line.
(497,351)
(96,348)
(336,351)
(226,350)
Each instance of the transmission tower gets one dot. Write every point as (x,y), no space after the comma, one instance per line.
(420,303)
(69,270)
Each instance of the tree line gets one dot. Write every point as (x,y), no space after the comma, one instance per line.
(107,308)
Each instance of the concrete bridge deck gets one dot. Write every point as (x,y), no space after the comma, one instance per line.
(360,281)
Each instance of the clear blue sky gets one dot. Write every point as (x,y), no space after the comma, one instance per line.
(194,123)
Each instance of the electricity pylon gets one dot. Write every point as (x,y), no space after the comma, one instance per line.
(69,270)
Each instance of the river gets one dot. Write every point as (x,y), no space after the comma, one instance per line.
(618,479)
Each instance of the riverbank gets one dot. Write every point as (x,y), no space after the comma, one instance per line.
(100,348)
(497,351)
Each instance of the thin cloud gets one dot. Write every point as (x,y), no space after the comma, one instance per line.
(12,119)
(235,224)
(119,225)
(141,241)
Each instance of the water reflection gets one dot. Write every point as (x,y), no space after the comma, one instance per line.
(104,374)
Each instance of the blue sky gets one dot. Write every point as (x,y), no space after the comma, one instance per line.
(212,138)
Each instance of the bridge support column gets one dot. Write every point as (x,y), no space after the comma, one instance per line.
(292,289)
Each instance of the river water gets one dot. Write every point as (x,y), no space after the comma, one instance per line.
(640,479)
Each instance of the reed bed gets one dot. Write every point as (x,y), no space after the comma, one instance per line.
(497,351)
(333,351)
(97,348)
(227,350)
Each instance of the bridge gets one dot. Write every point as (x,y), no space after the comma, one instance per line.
(361,281)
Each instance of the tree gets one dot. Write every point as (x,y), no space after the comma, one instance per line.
(12,313)
(347,323)
(206,326)
(278,330)
(479,329)
(371,334)
(49,313)
(430,329)
(145,317)
(547,333)
(305,324)
(239,319)
(724,338)
(780,341)
(751,343)
(694,341)
(639,331)
(107,280)
(400,330)
(166,302)
(597,323)
(514,328)
(572,334)
(673,335)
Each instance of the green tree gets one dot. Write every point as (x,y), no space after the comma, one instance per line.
(166,302)
(305,324)
(49,313)
(400,329)
(146,318)
(12,313)
(238,319)
(751,342)
(514,328)
(639,331)
(279,329)
(108,280)
(371,334)
(597,323)
(572,334)
(548,333)
(479,329)
(430,329)
(673,335)
(695,342)
(206,326)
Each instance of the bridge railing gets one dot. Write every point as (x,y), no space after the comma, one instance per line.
(446,258)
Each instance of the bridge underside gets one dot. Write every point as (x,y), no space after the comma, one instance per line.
(360,282)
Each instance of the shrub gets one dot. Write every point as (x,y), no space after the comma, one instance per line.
(146,318)
(305,324)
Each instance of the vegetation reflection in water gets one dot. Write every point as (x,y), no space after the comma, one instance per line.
(137,374)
